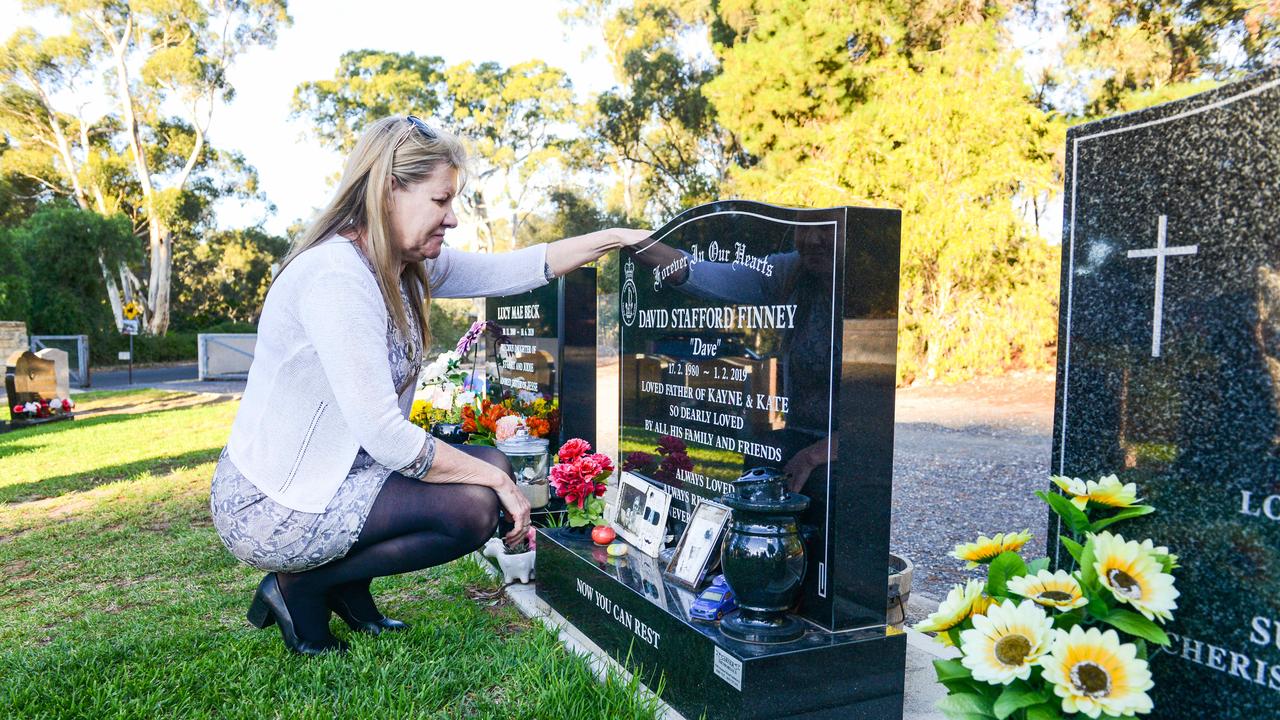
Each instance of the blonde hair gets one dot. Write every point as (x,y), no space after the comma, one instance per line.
(392,147)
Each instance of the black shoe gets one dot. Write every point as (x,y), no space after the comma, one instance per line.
(372,627)
(268,607)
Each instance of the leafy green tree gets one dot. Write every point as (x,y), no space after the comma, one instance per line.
(154,56)
(657,131)
(1126,54)
(368,85)
(61,246)
(224,277)
(15,282)
(853,104)
(513,119)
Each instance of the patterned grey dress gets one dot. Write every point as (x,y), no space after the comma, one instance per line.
(269,536)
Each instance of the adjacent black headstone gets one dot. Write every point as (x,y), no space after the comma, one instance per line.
(755,335)
(1169,370)
(549,352)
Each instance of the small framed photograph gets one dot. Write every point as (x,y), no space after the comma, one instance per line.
(640,514)
(699,548)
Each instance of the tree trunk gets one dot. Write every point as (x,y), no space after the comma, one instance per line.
(113,293)
(158,285)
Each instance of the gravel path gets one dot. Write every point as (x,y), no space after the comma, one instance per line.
(967,460)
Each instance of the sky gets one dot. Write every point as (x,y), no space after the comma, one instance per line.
(293,169)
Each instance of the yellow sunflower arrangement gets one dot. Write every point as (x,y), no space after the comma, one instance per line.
(1085,658)
(1073,488)
(1106,492)
(1094,673)
(985,549)
(1134,576)
(1058,590)
(1110,492)
(1005,644)
(955,609)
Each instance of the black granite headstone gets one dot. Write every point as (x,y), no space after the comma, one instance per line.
(755,335)
(1169,370)
(549,351)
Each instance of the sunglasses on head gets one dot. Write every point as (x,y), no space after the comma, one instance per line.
(422,127)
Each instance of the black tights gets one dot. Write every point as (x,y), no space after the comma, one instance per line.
(412,525)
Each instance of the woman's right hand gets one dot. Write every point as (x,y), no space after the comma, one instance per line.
(517,507)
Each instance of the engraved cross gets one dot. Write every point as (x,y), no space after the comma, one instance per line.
(1160,252)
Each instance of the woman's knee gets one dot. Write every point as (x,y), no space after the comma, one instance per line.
(478,518)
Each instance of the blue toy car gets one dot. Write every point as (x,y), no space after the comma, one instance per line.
(714,602)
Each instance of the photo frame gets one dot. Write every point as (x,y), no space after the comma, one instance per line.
(640,514)
(699,546)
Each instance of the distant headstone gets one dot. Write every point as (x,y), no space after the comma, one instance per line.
(29,378)
(1169,371)
(61,369)
(13,337)
(549,351)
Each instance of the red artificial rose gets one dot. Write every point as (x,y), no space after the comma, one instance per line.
(573,450)
(603,461)
(18,410)
(588,467)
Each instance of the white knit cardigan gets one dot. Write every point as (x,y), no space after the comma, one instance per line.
(320,388)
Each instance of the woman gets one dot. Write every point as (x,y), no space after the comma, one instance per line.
(324,483)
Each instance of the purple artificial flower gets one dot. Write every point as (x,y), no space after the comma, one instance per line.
(470,337)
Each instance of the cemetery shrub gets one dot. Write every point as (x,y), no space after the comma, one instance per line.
(171,347)
(223,277)
(62,246)
(15,284)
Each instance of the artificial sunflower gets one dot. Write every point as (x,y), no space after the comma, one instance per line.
(985,549)
(954,610)
(1058,589)
(1109,491)
(1006,642)
(1074,488)
(1134,576)
(1094,673)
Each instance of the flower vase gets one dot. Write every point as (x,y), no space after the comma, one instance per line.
(514,566)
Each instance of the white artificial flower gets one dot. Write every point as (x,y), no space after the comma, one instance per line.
(1094,673)
(1006,642)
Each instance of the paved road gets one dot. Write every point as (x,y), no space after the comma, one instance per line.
(182,377)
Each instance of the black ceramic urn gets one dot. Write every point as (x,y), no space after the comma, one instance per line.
(763,557)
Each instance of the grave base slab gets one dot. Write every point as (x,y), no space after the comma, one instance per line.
(626,608)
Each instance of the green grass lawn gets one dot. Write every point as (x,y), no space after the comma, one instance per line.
(118,600)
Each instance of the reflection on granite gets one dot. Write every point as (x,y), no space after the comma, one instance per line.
(1169,370)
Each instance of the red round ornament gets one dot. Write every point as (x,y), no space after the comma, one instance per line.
(603,535)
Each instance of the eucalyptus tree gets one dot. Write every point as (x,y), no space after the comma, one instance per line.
(146,59)
(656,130)
(515,119)
(1126,54)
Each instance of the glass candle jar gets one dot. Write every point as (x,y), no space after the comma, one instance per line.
(529,460)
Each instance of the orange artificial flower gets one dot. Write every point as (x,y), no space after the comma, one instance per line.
(538,427)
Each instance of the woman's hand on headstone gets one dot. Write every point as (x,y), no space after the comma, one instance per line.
(517,507)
